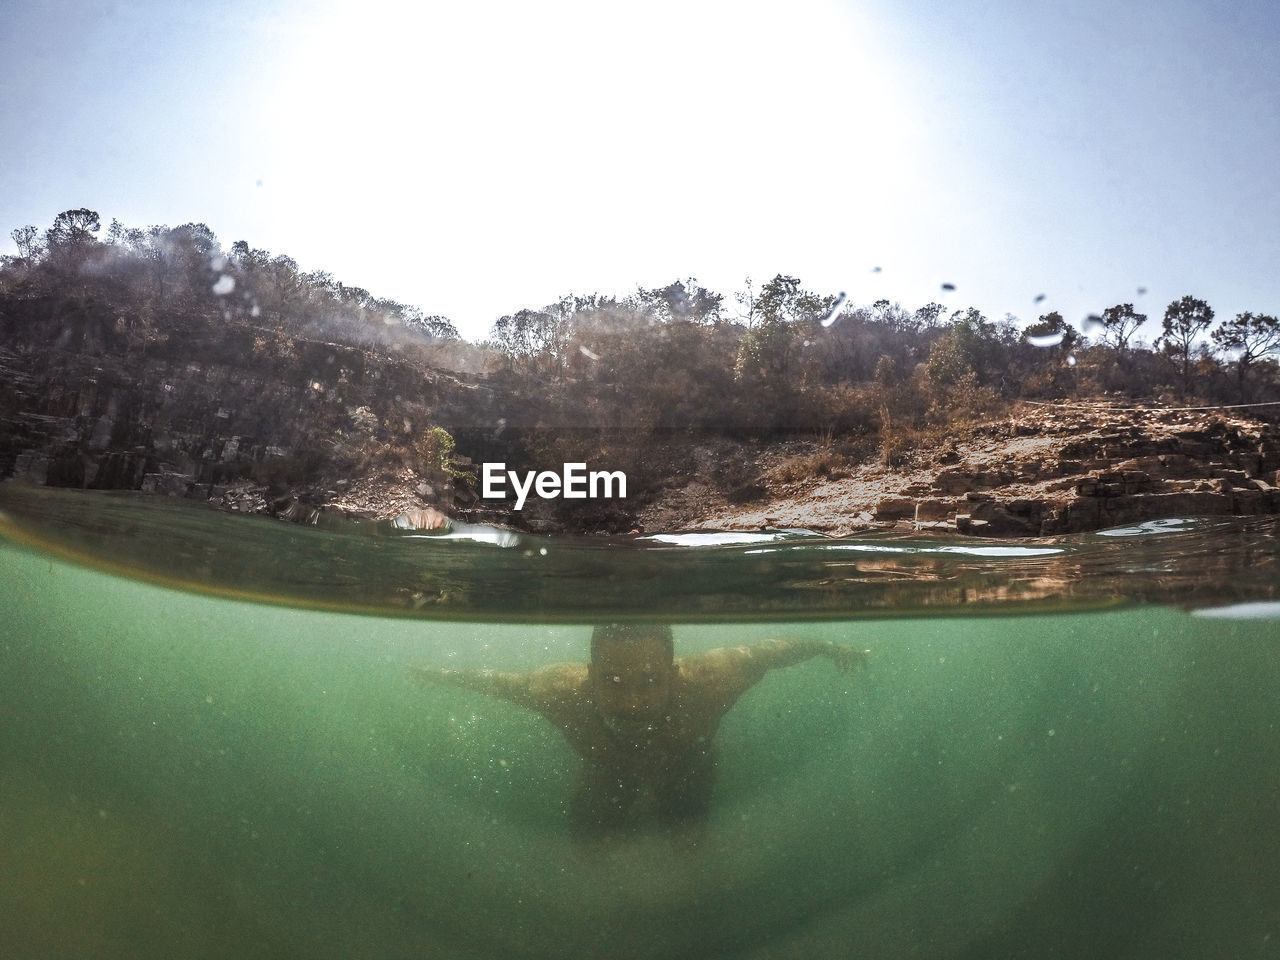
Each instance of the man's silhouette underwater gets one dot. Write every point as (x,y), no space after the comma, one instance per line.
(642,720)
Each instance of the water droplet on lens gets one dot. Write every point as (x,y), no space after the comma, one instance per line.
(1091,321)
(1142,291)
(876,269)
(1071,360)
(1048,339)
(1039,298)
(948,287)
(834,313)
(587,353)
(224,285)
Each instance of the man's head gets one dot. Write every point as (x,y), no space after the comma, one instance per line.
(632,669)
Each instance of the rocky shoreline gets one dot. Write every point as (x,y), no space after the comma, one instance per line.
(1044,471)
(300,429)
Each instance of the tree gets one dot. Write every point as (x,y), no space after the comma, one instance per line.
(783,300)
(27,240)
(73,229)
(528,337)
(775,320)
(1184,321)
(891,316)
(1043,356)
(1120,323)
(1254,336)
(70,244)
(681,300)
(1051,332)
(972,345)
(929,316)
(185,255)
(434,326)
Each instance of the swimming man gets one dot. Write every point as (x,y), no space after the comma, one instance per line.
(642,719)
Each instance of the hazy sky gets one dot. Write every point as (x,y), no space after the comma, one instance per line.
(473,159)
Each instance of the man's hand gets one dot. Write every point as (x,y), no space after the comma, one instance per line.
(846,657)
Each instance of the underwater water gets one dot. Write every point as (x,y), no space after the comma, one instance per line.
(1085,763)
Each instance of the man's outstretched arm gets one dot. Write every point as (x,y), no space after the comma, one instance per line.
(544,690)
(734,670)
(515,688)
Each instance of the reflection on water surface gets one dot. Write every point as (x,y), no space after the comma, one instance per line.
(498,575)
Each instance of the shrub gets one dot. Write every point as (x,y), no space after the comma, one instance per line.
(435,452)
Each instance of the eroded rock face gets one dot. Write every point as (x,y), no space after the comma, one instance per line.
(1204,466)
(254,421)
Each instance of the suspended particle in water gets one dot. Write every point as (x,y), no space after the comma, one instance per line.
(876,269)
(588,353)
(1048,339)
(224,285)
(948,288)
(1039,298)
(834,313)
(1142,291)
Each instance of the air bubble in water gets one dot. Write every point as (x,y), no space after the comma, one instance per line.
(224,286)
(834,313)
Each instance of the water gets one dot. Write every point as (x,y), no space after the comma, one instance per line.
(1078,766)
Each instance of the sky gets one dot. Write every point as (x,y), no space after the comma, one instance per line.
(474,159)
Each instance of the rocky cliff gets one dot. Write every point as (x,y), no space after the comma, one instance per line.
(258,420)
(242,416)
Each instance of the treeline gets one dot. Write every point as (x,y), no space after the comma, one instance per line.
(781,359)
(160,281)
(771,361)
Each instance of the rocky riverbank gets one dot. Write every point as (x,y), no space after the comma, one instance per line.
(257,421)
(1046,470)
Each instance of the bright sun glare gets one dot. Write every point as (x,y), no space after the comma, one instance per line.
(524,150)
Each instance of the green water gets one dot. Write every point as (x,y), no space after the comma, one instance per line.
(196,776)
